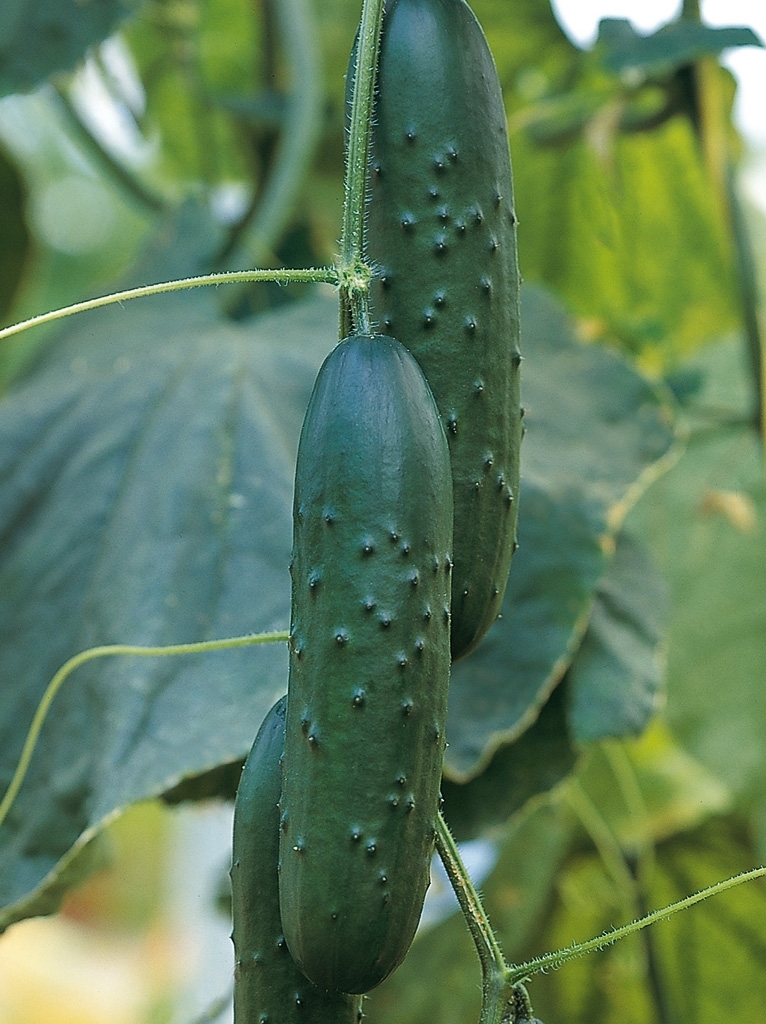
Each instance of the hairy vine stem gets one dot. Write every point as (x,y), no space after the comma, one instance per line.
(497,995)
(551,961)
(354,275)
(504,996)
(318,275)
(111,650)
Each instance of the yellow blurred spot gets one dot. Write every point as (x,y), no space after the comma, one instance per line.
(736,507)
(55,972)
(607,543)
(590,329)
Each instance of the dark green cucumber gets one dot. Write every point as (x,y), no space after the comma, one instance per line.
(442,233)
(369,665)
(268,987)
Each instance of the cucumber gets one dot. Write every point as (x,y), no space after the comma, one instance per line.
(369,665)
(268,987)
(442,234)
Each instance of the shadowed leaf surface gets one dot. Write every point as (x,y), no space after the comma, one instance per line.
(617,675)
(145,497)
(14,234)
(39,37)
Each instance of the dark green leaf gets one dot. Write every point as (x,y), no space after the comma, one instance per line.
(535,763)
(40,37)
(617,674)
(675,45)
(14,234)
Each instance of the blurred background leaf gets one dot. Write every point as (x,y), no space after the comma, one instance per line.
(705,524)
(40,37)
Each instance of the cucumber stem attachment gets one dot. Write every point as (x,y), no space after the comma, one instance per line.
(498,999)
(353,273)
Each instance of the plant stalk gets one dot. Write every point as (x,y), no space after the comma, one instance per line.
(551,961)
(497,996)
(298,35)
(354,275)
(326,275)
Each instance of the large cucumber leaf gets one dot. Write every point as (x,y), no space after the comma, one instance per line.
(145,497)
(146,470)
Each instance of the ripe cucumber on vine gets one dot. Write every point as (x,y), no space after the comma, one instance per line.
(268,985)
(369,665)
(441,228)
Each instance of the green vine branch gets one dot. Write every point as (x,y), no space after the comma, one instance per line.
(604,840)
(551,961)
(353,272)
(504,996)
(497,995)
(316,275)
(300,133)
(113,650)
(116,171)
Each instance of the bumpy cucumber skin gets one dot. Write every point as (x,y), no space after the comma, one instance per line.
(442,233)
(269,988)
(369,665)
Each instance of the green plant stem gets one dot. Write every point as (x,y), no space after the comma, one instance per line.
(603,839)
(354,275)
(497,994)
(300,132)
(118,173)
(326,275)
(112,650)
(550,961)
(642,868)
(625,774)
(749,298)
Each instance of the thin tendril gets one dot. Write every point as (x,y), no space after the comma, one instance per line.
(551,961)
(318,275)
(112,650)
